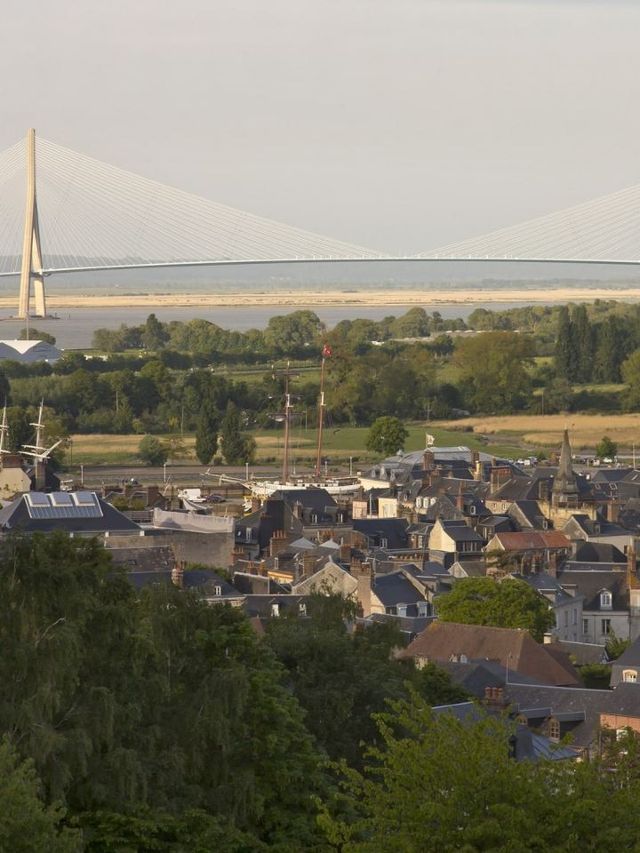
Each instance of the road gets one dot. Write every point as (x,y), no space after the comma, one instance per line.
(179,475)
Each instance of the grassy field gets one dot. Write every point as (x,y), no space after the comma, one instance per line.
(340,443)
(546,430)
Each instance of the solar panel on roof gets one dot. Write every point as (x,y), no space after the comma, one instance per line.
(37,499)
(85,498)
(61,499)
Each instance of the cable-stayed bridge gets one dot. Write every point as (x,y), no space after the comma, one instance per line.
(79,214)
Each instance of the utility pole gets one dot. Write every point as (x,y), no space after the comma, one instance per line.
(31,269)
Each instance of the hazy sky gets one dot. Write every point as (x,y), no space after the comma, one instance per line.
(396,124)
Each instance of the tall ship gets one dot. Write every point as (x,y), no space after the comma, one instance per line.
(262,489)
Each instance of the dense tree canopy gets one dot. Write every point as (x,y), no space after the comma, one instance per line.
(508,603)
(387,436)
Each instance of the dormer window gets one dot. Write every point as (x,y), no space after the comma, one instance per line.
(605,600)
(553,729)
(217,590)
(630,676)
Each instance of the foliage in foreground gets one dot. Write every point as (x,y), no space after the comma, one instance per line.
(417,795)
(138,709)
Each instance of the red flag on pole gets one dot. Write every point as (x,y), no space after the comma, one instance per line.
(326,351)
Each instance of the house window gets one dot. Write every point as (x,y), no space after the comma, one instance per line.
(423,608)
(630,675)
(553,729)
(247,532)
(401,610)
(605,600)
(605,627)
(275,609)
(585,626)
(302,609)
(217,590)
(575,617)
(566,618)
(384,543)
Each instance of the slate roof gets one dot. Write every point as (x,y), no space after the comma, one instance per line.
(459,531)
(74,512)
(528,745)
(394,530)
(630,656)
(395,588)
(527,513)
(590,583)
(512,647)
(575,701)
(475,676)
(598,552)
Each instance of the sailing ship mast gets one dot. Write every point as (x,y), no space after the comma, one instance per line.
(326,353)
(286,374)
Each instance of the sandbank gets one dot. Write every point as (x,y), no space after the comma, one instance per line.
(306,298)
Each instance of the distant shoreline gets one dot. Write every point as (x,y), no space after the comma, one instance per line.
(364,298)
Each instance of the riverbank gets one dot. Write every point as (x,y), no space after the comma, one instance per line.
(328,297)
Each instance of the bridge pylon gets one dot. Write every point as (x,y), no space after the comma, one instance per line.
(31,270)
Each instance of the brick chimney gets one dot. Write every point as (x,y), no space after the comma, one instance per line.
(613,512)
(345,553)
(552,567)
(494,696)
(277,543)
(308,564)
(460,501)
(632,568)
(543,490)
(428,460)
(362,573)
(499,475)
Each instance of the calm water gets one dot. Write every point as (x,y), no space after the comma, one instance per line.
(75,327)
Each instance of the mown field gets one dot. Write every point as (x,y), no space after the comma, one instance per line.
(546,430)
(340,443)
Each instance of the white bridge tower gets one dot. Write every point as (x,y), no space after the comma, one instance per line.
(31,270)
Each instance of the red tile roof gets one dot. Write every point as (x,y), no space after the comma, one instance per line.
(514,648)
(533,540)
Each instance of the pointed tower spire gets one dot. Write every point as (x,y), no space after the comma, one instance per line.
(565,485)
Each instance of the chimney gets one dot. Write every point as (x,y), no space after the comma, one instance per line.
(345,553)
(308,564)
(613,512)
(40,475)
(255,504)
(552,567)
(428,460)
(362,573)
(477,466)
(543,490)
(277,543)
(11,460)
(632,566)
(494,696)
(177,575)
(460,501)
(499,475)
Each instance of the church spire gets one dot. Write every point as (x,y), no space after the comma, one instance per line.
(565,485)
